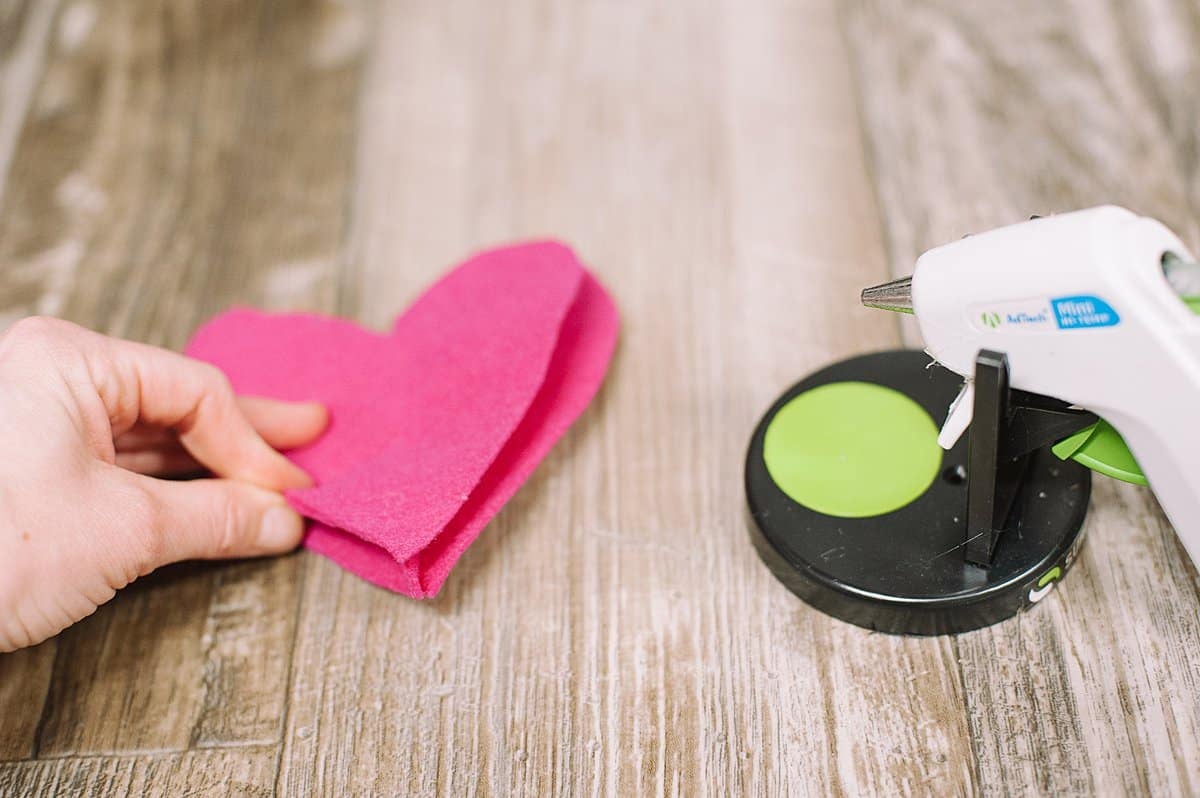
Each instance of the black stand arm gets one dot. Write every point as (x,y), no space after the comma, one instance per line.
(1007,427)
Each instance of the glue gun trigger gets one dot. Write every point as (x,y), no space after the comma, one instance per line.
(959,417)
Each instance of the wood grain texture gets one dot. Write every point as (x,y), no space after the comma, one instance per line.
(178,157)
(24,39)
(612,631)
(236,772)
(977,118)
(24,682)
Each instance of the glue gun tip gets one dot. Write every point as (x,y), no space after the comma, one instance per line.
(895,296)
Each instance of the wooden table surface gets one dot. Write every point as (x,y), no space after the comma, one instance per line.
(735,170)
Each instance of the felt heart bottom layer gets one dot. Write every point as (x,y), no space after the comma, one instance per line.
(435,425)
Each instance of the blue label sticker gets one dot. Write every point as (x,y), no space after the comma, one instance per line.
(1079,312)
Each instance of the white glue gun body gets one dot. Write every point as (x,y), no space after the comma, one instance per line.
(1082,308)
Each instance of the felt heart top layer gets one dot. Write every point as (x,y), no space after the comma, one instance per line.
(436,424)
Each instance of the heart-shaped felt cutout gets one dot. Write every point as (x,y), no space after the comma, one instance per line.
(435,425)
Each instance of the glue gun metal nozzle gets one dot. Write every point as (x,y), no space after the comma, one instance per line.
(896,296)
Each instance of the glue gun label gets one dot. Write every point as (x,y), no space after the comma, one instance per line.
(1078,312)
(1046,315)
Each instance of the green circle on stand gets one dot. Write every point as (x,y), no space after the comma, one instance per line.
(852,449)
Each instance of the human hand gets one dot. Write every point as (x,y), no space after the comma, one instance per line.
(84,421)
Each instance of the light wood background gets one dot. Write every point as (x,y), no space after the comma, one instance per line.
(735,170)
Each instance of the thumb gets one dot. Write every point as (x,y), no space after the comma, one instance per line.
(212,519)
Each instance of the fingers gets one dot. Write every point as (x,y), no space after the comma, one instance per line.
(140,383)
(207,519)
(284,425)
(143,386)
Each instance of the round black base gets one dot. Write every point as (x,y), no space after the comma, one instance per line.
(904,572)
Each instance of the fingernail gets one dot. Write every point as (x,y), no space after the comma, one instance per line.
(281,529)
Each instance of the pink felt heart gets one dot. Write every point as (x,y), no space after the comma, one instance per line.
(435,425)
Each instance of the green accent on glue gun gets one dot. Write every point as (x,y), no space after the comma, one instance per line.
(1101,448)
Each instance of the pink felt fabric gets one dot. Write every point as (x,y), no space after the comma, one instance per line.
(435,425)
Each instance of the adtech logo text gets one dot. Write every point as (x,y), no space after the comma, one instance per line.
(1059,313)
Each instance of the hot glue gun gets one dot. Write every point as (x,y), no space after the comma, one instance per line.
(1097,308)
